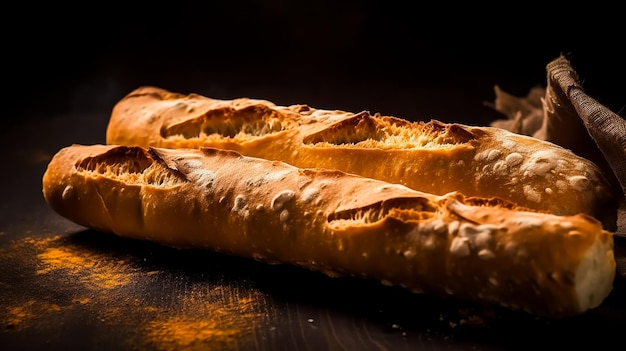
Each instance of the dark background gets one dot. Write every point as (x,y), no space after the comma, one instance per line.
(64,68)
(411,60)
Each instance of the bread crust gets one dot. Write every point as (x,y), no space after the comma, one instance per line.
(433,157)
(477,249)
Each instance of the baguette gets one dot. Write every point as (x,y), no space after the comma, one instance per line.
(477,249)
(433,157)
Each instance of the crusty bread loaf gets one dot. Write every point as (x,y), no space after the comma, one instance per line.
(341,224)
(433,157)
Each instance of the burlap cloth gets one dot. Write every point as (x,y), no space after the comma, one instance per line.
(564,114)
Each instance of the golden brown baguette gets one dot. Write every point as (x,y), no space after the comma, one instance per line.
(341,224)
(433,157)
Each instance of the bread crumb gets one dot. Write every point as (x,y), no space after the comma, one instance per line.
(67,192)
(240,203)
(514,159)
(579,182)
(281,198)
(460,246)
(309,194)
